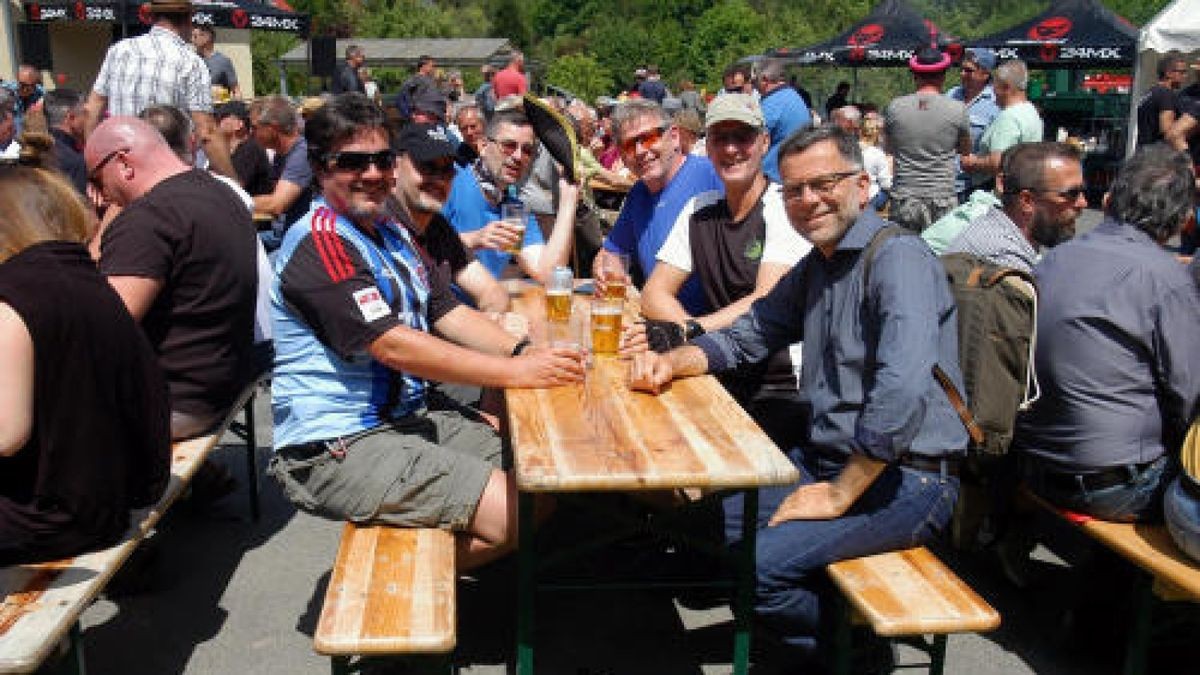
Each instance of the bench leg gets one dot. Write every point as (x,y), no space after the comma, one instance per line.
(841,637)
(339,665)
(1139,635)
(252,458)
(526,583)
(743,607)
(76,655)
(937,655)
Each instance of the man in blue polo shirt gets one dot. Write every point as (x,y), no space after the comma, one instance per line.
(783,109)
(480,190)
(667,179)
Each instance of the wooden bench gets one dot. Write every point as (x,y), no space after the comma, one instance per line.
(903,593)
(1168,573)
(392,592)
(43,601)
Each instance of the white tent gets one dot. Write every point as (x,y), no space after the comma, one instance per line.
(1175,29)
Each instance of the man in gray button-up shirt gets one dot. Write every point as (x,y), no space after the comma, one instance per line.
(1118,351)
(882,436)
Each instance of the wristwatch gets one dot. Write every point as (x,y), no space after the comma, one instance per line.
(521,345)
(692,329)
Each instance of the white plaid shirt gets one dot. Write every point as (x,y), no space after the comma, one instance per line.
(157,68)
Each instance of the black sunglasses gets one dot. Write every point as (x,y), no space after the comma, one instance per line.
(1070,194)
(384,160)
(436,168)
(94,175)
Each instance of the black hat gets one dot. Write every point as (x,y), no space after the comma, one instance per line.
(424,142)
(929,59)
(555,132)
(430,101)
(237,109)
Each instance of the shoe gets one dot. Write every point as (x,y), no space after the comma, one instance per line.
(1012,552)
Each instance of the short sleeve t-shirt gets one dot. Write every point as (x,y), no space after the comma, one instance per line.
(220,70)
(468,210)
(293,167)
(1154,102)
(647,218)
(195,235)
(923,131)
(1015,124)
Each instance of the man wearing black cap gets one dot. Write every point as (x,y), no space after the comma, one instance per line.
(924,131)
(424,173)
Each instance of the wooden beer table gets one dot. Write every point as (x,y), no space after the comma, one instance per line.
(599,436)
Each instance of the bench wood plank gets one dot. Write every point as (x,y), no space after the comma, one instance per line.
(392,592)
(911,592)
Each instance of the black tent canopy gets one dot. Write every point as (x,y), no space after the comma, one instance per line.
(274,16)
(886,37)
(1070,34)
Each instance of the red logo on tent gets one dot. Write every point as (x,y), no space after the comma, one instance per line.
(35,13)
(1053,28)
(144,13)
(239,18)
(867,35)
(955,50)
(858,54)
(80,11)
(1049,52)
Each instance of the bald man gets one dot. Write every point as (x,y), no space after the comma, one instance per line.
(181,255)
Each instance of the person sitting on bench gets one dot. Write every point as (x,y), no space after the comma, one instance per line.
(84,421)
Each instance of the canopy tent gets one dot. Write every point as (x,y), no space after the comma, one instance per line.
(404,52)
(1175,30)
(888,36)
(251,14)
(1069,34)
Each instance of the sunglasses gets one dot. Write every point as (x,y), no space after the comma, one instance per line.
(94,175)
(740,136)
(821,185)
(646,138)
(510,146)
(1070,194)
(384,160)
(435,168)
(969,70)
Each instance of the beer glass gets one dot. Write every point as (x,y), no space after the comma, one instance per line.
(515,215)
(606,324)
(558,294)
(613,275)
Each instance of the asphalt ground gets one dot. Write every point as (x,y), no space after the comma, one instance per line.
(215,593)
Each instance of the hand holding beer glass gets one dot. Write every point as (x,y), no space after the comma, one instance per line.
(514,216)
(612,275)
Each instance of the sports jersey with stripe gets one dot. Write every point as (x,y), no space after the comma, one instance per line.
(338,289)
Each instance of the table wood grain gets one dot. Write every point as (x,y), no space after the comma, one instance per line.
(600,435)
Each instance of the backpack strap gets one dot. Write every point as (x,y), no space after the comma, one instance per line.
(952,394)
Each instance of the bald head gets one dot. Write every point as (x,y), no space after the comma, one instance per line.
(127,157)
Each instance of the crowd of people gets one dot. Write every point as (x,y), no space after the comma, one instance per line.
(795,258)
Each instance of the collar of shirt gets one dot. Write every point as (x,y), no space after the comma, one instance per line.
(487,182)
(161,33)
(861,232)
(1130,233)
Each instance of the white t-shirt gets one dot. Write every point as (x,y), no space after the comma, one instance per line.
(262,302)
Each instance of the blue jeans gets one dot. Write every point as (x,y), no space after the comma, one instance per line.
(1182,511)
(904,507)
(1139,499)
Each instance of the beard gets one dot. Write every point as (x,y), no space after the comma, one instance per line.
(1049,234)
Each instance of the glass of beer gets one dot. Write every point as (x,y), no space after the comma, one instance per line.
(515,215)
(606,324)
(558,294)
(613,275)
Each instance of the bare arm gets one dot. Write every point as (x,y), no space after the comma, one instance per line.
(473,329)
(279,200)
(16,382)
(94,108)
(215,145)
(1167,119)
(830,499)
(539,262)
(479,283)
(660,301)
(138,293)
(1178,133)
(649,371)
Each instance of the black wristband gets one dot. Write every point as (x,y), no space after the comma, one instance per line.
(663,336)
(692,329)
(521,345)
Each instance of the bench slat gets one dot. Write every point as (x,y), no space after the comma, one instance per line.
(392,592)
(911,593)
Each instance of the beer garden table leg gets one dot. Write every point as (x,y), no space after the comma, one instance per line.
(526,583)
(743,607)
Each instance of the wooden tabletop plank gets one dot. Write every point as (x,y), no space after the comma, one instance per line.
(600,435)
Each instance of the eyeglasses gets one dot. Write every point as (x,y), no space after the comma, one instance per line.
(436,168)
(384,160)
(94,175)
(1070,194)
(821,185)
(739,135)
(646,138)
(510,146)
(968,70)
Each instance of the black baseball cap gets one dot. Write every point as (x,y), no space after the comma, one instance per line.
(424,142)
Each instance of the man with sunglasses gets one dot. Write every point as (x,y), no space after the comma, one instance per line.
(275,125)
(738,245)
(667,179)
(1018,122)
(882,442)
(976,93)
(27,90)
(479,190)
(363,320)
(425,170)
(181,255)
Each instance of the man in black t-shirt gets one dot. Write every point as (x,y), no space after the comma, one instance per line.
(1159,107)
(182,257)
(738,245)
(424,173)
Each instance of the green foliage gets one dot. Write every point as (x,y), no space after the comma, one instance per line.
(580,74)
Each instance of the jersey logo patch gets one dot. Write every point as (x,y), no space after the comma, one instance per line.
(370,302)
(754,249)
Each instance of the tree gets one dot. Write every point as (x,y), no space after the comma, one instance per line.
(580,74)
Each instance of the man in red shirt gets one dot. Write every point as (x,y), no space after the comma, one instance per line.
(511,80)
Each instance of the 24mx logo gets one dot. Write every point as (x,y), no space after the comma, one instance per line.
(1052,28)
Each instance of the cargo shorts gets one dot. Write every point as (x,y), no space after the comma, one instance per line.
(427,469)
